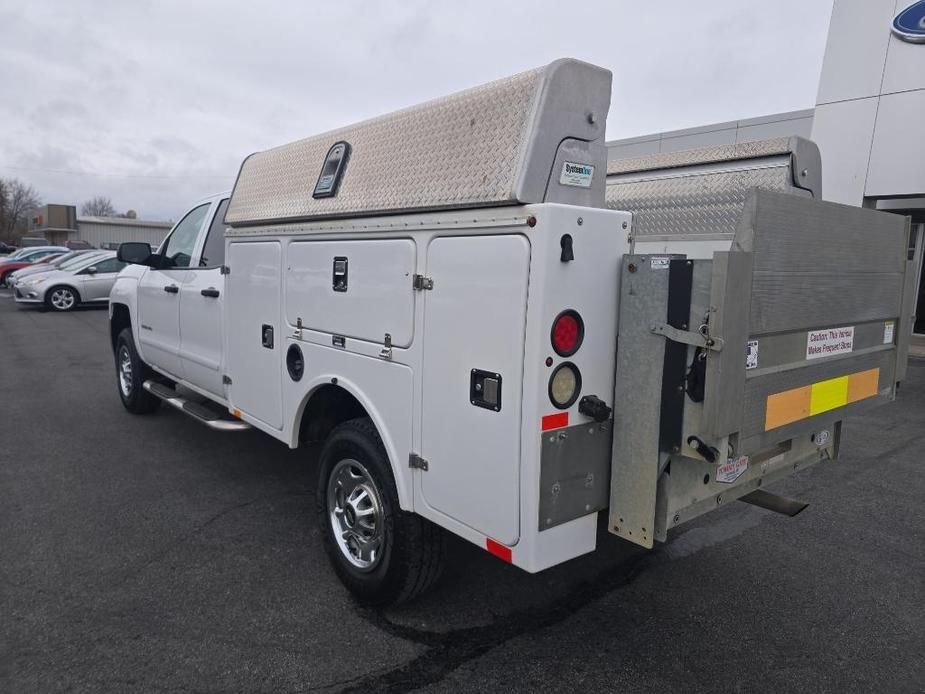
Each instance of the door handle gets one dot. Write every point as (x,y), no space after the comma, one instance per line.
(211,291)
(171,288)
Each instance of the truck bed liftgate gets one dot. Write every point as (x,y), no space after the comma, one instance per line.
(736,367)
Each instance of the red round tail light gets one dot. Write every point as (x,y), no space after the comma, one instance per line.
(568,330)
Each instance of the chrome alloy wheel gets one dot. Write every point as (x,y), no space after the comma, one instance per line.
(125,372)
(62,299)
(355,514)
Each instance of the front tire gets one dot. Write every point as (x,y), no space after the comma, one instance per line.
(5,279)
(382,554)
(62,298)
(131,372)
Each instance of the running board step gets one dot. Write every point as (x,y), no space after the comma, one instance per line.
(774,502)
(200,413)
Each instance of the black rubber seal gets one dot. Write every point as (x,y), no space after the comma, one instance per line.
(295,362)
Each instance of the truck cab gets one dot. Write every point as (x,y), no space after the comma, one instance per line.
(174,307)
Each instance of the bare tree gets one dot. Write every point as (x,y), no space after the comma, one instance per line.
(3,208)
(100,206)
(18,201)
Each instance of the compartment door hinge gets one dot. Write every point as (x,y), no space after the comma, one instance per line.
(225,270)
(420,282)
(386,351)
(226,379)
(417,462)
(686,337)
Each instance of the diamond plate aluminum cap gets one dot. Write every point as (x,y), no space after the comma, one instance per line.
(491,145)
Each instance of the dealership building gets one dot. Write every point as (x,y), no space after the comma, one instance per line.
(869,119)
(59,224)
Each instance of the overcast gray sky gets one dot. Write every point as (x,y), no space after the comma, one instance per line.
(155,104)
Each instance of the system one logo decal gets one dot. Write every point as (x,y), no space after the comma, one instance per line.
(909,24)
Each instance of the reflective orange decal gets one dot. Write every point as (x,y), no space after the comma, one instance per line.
(823,396)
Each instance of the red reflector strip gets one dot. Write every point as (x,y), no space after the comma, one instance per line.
(555,421)
(498,549)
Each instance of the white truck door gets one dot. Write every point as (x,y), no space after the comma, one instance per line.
(159,295)
(474,319)
(201,310)
(253,340)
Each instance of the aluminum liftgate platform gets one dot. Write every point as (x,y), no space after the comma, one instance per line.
(735,371)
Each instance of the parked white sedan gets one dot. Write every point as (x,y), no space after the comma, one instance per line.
(86,282)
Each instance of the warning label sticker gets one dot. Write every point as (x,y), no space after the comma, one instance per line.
(751,354)
(888,329)
(825,343)
(661,262)
(730,472)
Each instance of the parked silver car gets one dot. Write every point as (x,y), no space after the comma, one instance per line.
(62,262)
(86,282)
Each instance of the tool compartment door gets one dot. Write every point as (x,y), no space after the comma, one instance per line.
(371,297)
(474,319)
(252,317)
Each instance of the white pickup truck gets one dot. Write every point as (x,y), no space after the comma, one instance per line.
(497,333)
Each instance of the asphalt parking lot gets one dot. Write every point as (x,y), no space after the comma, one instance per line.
(151,554)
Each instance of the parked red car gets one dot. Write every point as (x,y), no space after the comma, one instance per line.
(39,255)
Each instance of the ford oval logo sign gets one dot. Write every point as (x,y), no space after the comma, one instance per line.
(909,25)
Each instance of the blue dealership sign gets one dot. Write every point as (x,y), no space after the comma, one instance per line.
(909,24)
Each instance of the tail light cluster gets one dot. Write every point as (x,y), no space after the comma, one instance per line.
(568,332)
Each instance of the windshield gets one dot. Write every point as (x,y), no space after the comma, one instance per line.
(86,261)
(60,260)
(80,259)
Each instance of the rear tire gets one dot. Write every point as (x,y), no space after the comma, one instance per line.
(131,372)
(62,298)
(382,554)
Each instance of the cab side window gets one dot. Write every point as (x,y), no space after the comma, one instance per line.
(213,252)
(179,249)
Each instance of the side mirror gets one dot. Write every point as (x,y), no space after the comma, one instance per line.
(91,270)
(135,252)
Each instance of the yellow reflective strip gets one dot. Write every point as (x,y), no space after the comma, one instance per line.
(829,395)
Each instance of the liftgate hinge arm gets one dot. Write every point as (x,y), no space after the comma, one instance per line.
(687,337)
